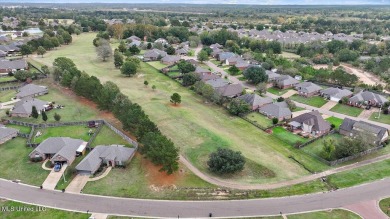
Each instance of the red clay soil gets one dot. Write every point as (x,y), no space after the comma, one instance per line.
(155,177)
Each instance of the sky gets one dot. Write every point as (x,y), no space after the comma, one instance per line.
(253,2)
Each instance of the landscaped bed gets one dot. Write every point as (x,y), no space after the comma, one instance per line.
(287,136)
(347,110)
(315,101)
(77,132)
(259,119)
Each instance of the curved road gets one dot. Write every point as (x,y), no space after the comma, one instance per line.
(192,209)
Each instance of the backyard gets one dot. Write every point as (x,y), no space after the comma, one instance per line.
(77,132)
(277,91)
(347,110)
(315,148)
(335,121)
(157,65)
(315,101)
(22,129)
(6,79)
(107,137)
(259,119)
(6,96)
(287,136)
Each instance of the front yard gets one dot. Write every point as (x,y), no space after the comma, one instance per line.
(259,119)
(347,110)
(383,118)
(335,121)
(287,136)
(277,91)
(315,101)
(6,79)
(77,132)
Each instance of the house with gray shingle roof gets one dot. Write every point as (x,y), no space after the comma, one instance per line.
(335,94)
(233,60)
(242,65)
(216,83)
(23,108)
(7,134)
(352,128)
(225,55)
(272,75)
(136,43)
(58,149)
(278,110)
(154,54)
(255,101)
(311,122)
(113,155)
(367,98)
(230,90)
(12,66)
(307,89)
(285,81)
(31,90)
(170,59)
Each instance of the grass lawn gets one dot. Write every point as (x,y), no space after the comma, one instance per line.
(22,129)
(241,78)
(259,119)
(287,136)
(77,132)
(383,118)
(331,214)
(315,101)
(173,74)
(15,164)
(298,109)
(48,213)
(347,110)
(6,96)
(315,148)
(335,121)
(195,127)
(157,64)
(277,91)
(4,79)
(289,55)
(216,62)
(107,137)
(174,68)
(384,204)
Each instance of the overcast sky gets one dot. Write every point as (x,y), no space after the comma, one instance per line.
(257,2)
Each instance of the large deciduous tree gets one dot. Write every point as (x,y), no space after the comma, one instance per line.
(226,161)
(255,74)
(129,68)
(104,50)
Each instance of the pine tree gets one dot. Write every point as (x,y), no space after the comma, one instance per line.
(34,112)
(44,116)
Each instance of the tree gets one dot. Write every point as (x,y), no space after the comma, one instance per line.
(129,68)
(226,161)
(26,50)
(328,148)
(255,74)
(203,56)
(280,99)
(190,79)
(234,70)
(149,46)
(22,75)
(104,50)
(291,105)
(118,59)
(170,50)
(135,60)
(67,37)
(154,87)
(275,120)
(262,88)
(122,47)
(237,107)
(34,112)
(57,117)
(41,51)
(134,50)
(146,83)
(107,95)
(185,67)
(44,116)
(175,98)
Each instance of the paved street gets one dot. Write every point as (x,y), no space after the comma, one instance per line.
(160,208)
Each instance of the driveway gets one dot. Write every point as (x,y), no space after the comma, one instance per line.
(367,209)
(53,178)
(329,105)
(77,184)
(367,113)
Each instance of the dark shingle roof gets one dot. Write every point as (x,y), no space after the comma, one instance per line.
(255,100)
(314,119)
(4,132)
(29,90)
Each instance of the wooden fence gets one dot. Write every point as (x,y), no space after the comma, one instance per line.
(315,139)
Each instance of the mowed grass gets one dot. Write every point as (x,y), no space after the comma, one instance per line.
(5,79)
(347,110)
(289,55)
(47,213)
(335,121)
(193,126)
(76,132)
(384,204)
(7,95)
(277,91)
(331,214)
(15,163)
(259,119)
(22,129)
(157,64)
(107,137)
(316,147)
(383,118)
(287,136)
(315,101)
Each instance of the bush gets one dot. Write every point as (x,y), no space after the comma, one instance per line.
(280,99)
(333,126)
(275,121)
(225,161)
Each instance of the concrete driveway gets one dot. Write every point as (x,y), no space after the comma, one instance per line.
(367,113)
(53,178)
(329,105)
(77,183)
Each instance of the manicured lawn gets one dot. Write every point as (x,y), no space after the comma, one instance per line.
(15,163)
(315,101)
(107,137)
(287,136)
(259,119)
(48,213)
(216,62)
(335,121)
(195,127)
(315,148)
(77,132)
(277,91)
(242,78)
(157,64)
(298,109)
(384,204)
(331,214)
(383,118)
(289,55)
(347,110)
(173,74)
(6,96)
(22,129)
(4,79)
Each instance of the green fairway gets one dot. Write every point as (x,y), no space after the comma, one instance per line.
(315,101)
(347,110)
(107,137)
(15,163)
(76,132)
(287,136)
(277,91)
(39,213)
(259,119)
(384,204)
(335,121)
(195,127)
(383,118)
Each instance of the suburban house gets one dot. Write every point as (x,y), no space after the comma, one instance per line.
(114,155)
(7,134)
(162,41)
(352,128)
(255,101)
(182,51)
(137,43)
(233,60)
(285,81)
(307,89)
(31,90)
(272,75)
(242,65)
(277,110)
(225,55)
(207,76)
(311,123)
(58,149)
(216,52)
(193,62)
(216,46)
(367,98)
(12,66)
(200,70)
(133,38)
(216,83)
(230,90)
(335,94)
(154,54)
(23,108)
(170,59)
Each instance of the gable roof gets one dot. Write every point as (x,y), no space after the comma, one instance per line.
(286,80)
(272,75)
(255,100)
(355,127)
(336,92)
(155,53)
(5,132)
(230,90)
(201,70)
(29,90)
(25,105)
(308,87)
(63,146)
(278,109)
(170,58)
(314,119)
(13,65)
(368,96)
(218,82)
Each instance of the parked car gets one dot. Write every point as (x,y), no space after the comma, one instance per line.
(57,167)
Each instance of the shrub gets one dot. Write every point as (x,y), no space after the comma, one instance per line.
(225,161)
(275,121)
(333,126)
